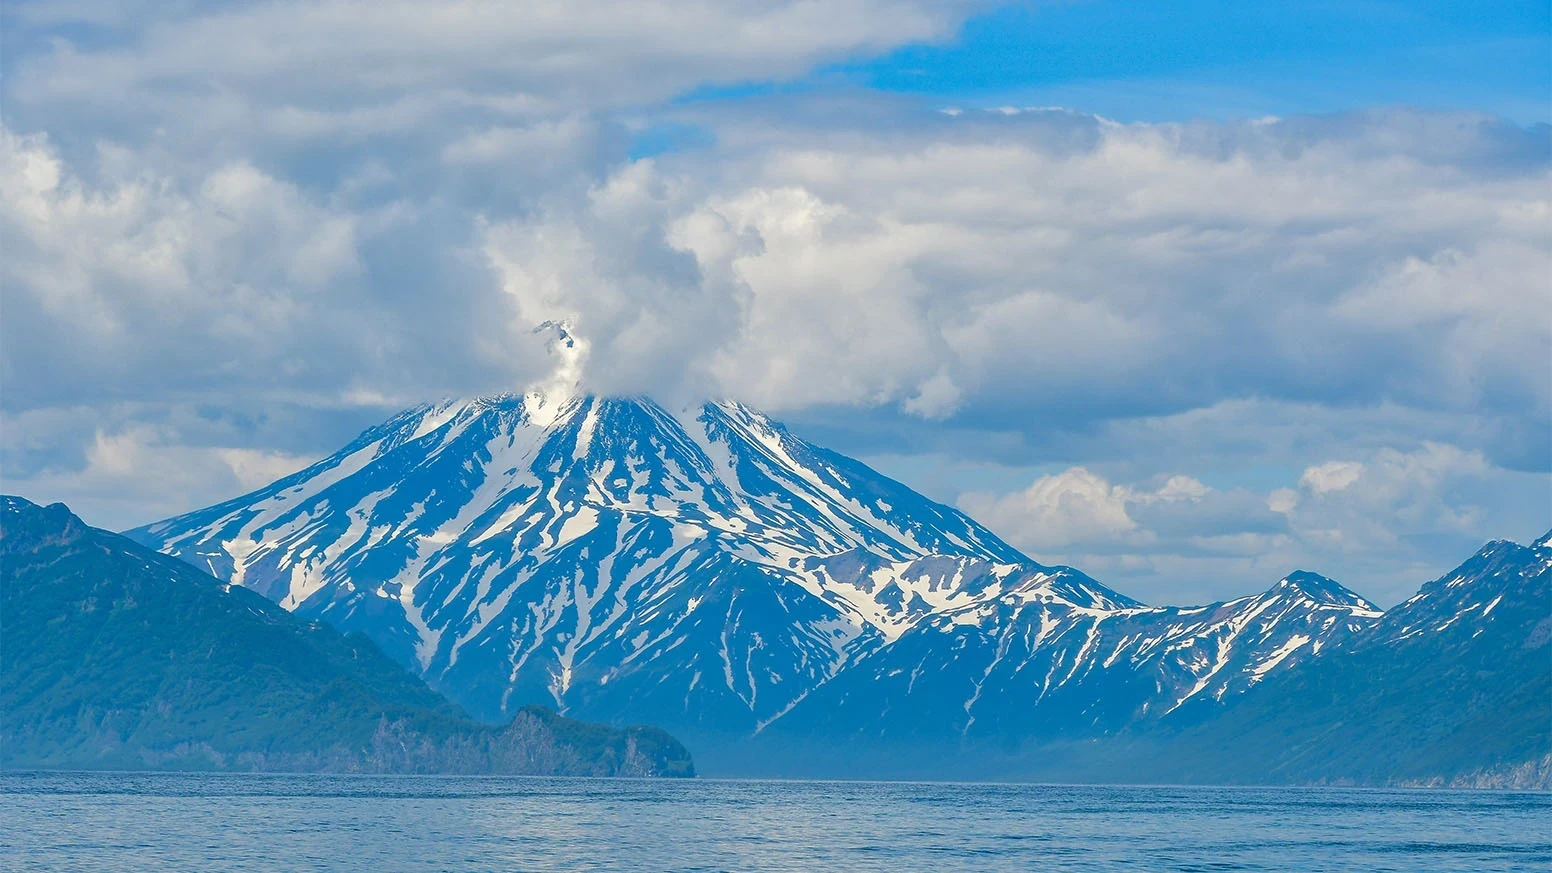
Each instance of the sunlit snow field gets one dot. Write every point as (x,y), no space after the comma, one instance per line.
(163,823)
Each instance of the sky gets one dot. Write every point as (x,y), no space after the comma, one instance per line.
(1186,295)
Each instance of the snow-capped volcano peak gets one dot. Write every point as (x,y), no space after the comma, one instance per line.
(702,568)
(549,399)
(722,467)
(495,533)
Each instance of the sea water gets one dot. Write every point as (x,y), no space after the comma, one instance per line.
(383,824)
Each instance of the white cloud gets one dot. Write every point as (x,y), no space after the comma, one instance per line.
(1047,261)
(138,275)
(232,286)
(255,468)
(614,270)
(1180,488)
(545,142)
(1353,506)
(140,473)
(1373,524)
(337,69)
(1282,500)
(245,208)
(1075,506)
(1331,476)
(1153,259)
(937,398)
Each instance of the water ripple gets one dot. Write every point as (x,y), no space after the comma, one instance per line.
(227,823)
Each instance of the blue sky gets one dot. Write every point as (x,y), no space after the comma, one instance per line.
(1167,61)
(1186,295)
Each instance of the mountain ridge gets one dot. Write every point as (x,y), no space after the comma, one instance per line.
(1451,687)
(719,491)
(708,570)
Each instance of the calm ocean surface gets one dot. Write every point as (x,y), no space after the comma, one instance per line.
(163,823)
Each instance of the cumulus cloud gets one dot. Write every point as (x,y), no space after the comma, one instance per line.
(1077,506)
(993,269)
(341,69)
(1373,523)
(1355,506)
(1062,262)
(1046,273)
(615,268)
(1016,265)
(1331,476)
(1058,510)
(216,213)
(136,280)
(117,465)
(231,284)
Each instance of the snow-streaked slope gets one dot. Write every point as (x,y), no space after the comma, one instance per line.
(1473,598)
(707,571)
(1034,662)
(606,556)
(1454,686)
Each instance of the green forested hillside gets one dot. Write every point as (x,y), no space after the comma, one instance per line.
(114,656)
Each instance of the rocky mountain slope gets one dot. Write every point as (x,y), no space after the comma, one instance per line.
(1032,664)
(115,656)
(708,571)
(1452,687)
